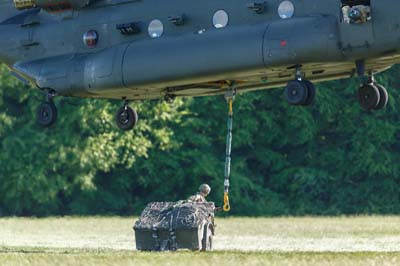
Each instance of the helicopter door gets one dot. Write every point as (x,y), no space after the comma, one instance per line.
(356,24)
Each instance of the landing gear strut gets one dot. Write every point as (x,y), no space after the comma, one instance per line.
(46,114)
(126,117)
(300,91)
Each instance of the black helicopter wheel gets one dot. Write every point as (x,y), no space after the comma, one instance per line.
(46,114)
(369,96)
(126,118)
(296,92)
(384,97)
(311,92)
(169,98)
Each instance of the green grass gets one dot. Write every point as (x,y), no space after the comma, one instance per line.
(239,241)
(43,257)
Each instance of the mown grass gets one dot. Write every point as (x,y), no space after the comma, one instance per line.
(325,241)
(35,257)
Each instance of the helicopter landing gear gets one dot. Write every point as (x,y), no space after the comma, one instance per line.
(126,117)
(169,98)
(46,114)
(300,91)
(384,97)
(371,95)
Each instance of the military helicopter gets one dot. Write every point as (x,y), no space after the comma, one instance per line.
(152,49)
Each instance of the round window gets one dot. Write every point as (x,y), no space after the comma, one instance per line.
(220,19)
(91,38)
(286,9)
(156,28)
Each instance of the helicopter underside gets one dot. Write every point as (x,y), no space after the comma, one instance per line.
(269,78)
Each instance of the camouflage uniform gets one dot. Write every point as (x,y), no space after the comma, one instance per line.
(198,198)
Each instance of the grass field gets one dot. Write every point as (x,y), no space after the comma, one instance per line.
(247,241)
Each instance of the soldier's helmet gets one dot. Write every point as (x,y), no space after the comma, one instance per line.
(354,14)
(204,189)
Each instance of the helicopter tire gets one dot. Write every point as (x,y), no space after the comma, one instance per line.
(369,96)
(169,98)
(296,92)
(311,92)
(126,118)
(46,114)
(384,97)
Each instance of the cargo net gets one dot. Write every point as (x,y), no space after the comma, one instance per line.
(175,215)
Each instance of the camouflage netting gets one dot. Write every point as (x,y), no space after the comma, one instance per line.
(176,215)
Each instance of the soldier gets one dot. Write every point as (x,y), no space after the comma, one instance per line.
(200,197)
(359,14)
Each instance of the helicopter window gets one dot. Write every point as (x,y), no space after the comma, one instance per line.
(356,11)
(286,9)
(91,38)
(220,19)
(156,28)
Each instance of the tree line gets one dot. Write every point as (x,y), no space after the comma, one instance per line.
(328,159)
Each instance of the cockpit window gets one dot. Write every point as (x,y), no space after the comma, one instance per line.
(356,11)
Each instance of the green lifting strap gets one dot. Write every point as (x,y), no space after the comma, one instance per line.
(230,98)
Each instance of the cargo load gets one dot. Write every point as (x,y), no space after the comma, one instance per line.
(175,225)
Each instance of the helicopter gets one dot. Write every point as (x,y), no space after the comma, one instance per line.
(156,49)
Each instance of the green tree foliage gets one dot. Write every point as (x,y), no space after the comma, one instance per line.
(46,171)
(331,158)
